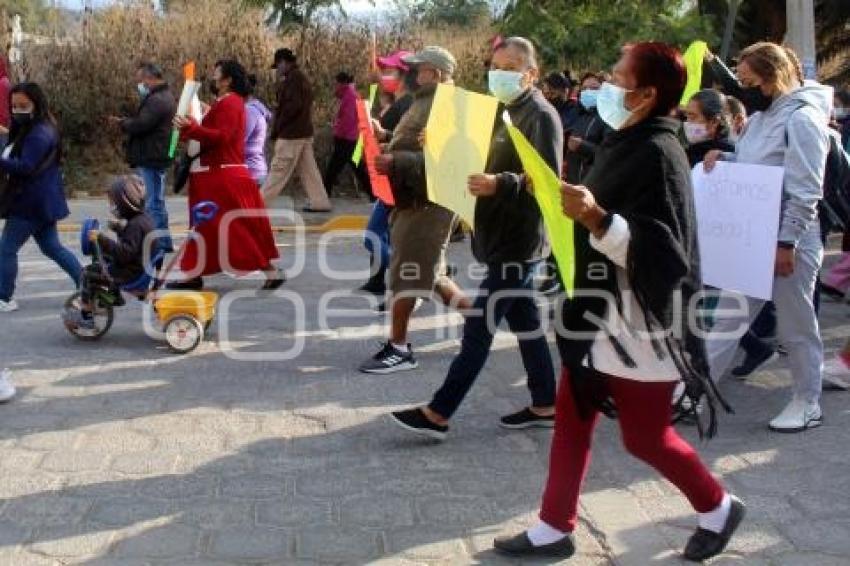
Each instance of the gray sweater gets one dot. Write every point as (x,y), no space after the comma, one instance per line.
(792,133)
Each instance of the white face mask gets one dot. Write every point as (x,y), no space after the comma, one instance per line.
(505,85)
(611,105)
(696,133)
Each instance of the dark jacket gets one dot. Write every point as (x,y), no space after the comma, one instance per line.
(389,121)
(591,129)
(407,178)
(696,152)
(149,131)
(642,174)
(125,255)
(567,111)
(508,225)
(41,196)
(293,117)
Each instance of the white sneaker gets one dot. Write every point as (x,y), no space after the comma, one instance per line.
(797,416)
(8,306)
(7,389)
(836,373)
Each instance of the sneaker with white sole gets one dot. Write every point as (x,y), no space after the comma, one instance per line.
(836,374)
(798,415)
(7,388)
(9,306)
(390,360)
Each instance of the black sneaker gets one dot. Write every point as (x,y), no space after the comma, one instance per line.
(390,360)
(705,544)
(752,364)
(526,419)
(520,545)
(415,421)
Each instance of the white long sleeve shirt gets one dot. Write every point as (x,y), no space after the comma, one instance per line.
(629,326)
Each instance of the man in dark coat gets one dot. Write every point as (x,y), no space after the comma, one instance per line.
(148,140)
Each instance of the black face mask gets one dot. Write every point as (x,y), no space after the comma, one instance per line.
(22,118)
(755,100)
(214,87)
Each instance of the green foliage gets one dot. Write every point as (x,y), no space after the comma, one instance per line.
(449,12)
(286,14)
(33,12)
(588,34)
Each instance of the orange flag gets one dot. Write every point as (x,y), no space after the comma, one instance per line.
(380,183)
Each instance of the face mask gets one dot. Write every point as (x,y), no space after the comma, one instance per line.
(143,89)
(755,100)
(588,98)
(695,133)
(611,103)
(842,113)
(22,118)
(214,87)
(390,84)
(505,85)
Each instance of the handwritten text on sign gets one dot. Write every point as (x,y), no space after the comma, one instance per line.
(738,207)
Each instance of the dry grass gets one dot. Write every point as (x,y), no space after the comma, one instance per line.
(91,78)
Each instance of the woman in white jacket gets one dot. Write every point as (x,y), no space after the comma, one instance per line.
(789,129)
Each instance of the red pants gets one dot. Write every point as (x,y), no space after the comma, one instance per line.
(644,413)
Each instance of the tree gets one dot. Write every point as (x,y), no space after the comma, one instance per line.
(764,20)
(285,14)
(588,34)
(450,12)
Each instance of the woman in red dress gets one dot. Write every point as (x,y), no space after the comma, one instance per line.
(220,175)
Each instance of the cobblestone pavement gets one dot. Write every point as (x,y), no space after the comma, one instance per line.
(123,453)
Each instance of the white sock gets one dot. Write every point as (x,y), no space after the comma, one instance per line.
(714,521)
(401,347)
(542,534)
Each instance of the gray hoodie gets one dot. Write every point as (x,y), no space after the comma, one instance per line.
(792,133)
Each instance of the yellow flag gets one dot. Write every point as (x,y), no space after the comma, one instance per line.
(459,131)
(547,192)
(694,57)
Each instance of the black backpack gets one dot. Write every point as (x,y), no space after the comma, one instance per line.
(834,208)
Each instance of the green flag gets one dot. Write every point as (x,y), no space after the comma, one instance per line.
(694,57)
(547,192)
(357,156)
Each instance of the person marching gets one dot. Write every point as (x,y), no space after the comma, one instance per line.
(508,239)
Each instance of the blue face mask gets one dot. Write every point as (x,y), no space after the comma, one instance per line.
(611,103)
(505,85)
(143,89)
(588,98)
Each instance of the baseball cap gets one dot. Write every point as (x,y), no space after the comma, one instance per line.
(394,60)
(283,54)
(557,80)
(433,55)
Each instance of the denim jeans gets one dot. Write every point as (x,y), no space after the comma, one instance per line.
(16,232)
(155,203)
(506,293)
(378,232)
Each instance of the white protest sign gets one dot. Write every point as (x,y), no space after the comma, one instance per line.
(190,92)
(737,208)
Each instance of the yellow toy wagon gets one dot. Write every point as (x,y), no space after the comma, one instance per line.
(185,316)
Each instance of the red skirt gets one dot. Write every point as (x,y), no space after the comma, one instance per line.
(248,242)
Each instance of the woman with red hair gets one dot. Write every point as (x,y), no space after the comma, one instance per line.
(623,339)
